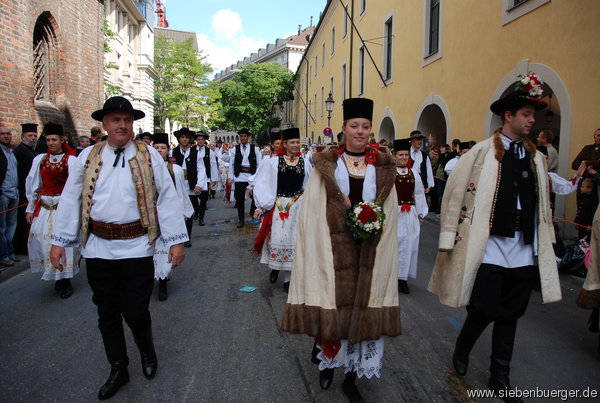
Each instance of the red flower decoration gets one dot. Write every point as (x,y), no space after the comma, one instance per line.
(367,214)
(371,154)
(283,215)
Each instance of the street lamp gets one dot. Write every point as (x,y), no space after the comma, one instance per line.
(329,106)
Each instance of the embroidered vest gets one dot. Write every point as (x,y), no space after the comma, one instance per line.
(54,175)
(143,180)
(405,188)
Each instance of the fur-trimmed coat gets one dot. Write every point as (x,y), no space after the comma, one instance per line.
(589,296)
(465,223)
(335,292)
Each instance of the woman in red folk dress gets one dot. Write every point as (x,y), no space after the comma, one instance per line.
(43,188)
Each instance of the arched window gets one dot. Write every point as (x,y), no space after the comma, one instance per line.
(44,57)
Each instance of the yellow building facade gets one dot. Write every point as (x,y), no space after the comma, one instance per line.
(437,65)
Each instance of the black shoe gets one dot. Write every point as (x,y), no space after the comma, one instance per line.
(273,276)
(314,353)
(201,222)
(501,382)
(325,378)
(118,377)
(162,290)
(461,364)
(147,353)
(286,287)
(57,285)
(67,289)
(188,244)
(403,287)
(195,216)
(350,389)
(240,224)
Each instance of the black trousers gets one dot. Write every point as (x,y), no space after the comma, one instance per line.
(203,198)
(240,196)
(121,290)
(190,221)
(500,295)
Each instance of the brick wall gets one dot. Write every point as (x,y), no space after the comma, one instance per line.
(76,81)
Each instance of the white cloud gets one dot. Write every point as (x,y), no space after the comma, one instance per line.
(230,43)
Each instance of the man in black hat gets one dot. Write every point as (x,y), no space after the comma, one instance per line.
(118,199)
(186,156)
(245,159)
(146,138)
(25,154)
(420,159)
(463,147)
(496,234)
(206,158)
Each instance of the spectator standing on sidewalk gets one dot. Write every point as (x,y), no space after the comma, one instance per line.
(25,153)
(9,197)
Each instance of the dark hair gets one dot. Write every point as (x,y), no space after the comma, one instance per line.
(455,142)
(548,135)
(95,130)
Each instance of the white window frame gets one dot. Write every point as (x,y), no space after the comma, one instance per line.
(323,56)
(363,7)
(322,102)
(346,21)
(333,40)
(510,12)
(427,57)
(343,82)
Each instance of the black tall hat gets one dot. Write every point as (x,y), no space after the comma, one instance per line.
(291,133)
(161,138)
(200,133)
(117,104)
(401,144)
(53,128)
(358,108)
(29,128)
(276,136)
(465,145)
(184,131)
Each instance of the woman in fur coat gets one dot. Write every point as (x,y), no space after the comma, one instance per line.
(344,289)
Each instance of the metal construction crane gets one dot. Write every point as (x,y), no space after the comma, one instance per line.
(162,14)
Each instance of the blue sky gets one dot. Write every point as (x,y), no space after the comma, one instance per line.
(229,30)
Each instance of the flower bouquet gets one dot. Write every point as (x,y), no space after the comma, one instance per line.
(531,84)
(365,219)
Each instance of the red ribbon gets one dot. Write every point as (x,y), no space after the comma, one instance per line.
(405,207)
(263,233)
(329,348)
(284,216)
(409,163)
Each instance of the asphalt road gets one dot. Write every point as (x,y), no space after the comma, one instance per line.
(218,344)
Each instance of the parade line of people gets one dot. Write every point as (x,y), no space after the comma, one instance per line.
(339,227)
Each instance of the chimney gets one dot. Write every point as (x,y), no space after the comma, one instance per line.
(310,21)
(299,29)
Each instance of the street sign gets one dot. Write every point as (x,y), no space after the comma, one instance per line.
(327,132)
(304,140)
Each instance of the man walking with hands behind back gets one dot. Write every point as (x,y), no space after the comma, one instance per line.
(118,199)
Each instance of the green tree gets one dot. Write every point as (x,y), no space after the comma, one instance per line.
(110,89)
(183,92)
(249,99)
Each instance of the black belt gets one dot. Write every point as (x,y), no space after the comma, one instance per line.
(246,170)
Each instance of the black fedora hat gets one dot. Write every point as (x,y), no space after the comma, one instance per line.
(416,135)
(184,131)
(145,134)
(200,133)
(117,104)
(527,91)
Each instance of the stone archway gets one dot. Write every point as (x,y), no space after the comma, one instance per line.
(433,119)
(387,127)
